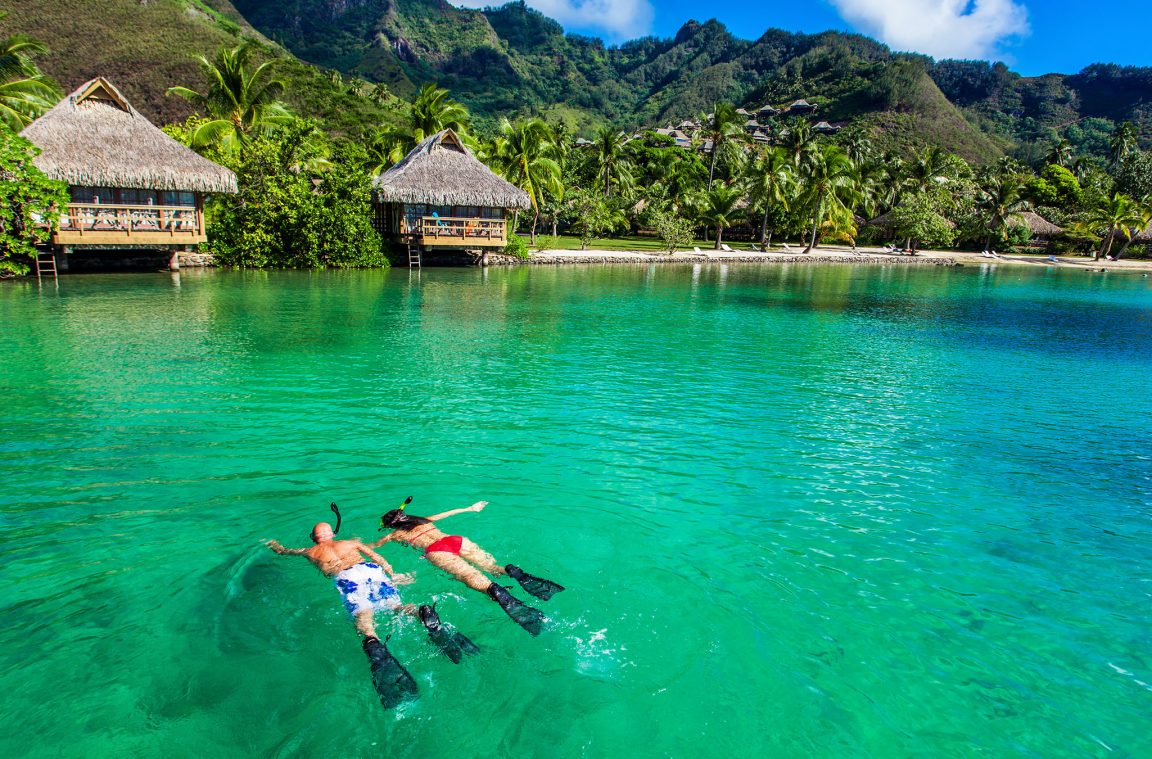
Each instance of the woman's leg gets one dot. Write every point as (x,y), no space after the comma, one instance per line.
(460,569)
(480,558)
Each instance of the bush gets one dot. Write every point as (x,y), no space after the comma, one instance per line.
(545,242)
(296,207)
(30,203)
(674,230)
(516,246)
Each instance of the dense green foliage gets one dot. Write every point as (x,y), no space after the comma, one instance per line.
(297,206)
(29,203)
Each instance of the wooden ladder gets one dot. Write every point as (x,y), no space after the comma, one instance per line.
(414,254)
(46,264)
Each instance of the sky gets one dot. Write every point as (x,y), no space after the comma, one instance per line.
(1032,36)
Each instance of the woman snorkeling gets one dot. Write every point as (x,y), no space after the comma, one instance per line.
(467,562)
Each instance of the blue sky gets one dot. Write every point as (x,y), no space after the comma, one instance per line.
(1033,37)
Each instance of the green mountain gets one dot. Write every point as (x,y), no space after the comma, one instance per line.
(147,46)
(512,60)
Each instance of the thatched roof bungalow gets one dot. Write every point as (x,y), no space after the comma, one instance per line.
(1038,225)
(441,195)
(131,184)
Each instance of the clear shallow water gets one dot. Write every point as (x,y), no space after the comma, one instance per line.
(800,511)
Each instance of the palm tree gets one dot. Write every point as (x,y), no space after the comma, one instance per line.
(1060,154)
(832,186)
(433,111)
(1122,143)
(770,181)
(526,154)
(241,103)
(929,168)
(612,163)
(1001,197)
(799,140)
(1142,213)
(723,127)
(25,93)
(718,208)
(1117,214)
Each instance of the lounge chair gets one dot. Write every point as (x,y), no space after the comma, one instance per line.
(726,249)
(697,251)
(757,248)
(788,247)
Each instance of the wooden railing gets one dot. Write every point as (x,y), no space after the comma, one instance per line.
(101,224)
(443,230)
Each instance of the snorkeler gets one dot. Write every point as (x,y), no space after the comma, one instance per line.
(369,586)
(467,562)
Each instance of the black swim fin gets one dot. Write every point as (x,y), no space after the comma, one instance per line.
(453,644)
(530,619)
(393,682)
(537,586)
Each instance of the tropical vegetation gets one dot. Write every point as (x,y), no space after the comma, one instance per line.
(29,203)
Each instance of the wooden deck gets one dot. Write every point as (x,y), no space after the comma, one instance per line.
(89,224)
(441,231)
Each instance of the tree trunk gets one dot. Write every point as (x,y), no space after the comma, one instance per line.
(815,224)
(768,242)
(719,235)
(712,167)
(1124,248)
(1106,248)
(555,226)
(515,220)
(534,220)
(764,228)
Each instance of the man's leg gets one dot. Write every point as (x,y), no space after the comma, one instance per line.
(365,624)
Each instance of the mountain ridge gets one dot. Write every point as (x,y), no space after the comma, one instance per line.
(512,60)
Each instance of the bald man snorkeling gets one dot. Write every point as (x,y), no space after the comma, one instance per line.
(369,586)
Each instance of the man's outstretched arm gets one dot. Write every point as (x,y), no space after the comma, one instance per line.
(275,546)
(478,506)
(399,579)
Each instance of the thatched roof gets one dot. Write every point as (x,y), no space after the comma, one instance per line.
(441,171)
(1145,235)
(1038,225)
(94,137)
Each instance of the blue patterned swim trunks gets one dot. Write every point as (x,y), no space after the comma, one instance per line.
(366,587)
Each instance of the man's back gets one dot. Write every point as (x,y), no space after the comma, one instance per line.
(334,556)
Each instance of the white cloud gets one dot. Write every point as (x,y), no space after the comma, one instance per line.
(940,28)
(620,19)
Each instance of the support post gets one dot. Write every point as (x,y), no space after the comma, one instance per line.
(174,261)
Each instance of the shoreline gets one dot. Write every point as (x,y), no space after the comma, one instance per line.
(823,255)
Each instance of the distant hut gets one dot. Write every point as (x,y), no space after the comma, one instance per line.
(825,128)
(766,112)
(131,185)
(441,196)
(1038,225)
(800,107)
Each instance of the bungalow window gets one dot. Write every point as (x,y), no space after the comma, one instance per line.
(134,197)
(173,198)
(92,194)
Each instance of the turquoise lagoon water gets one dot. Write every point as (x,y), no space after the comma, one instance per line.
(801,511)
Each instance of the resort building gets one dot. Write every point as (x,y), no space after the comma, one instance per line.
(133,188)
(442,197)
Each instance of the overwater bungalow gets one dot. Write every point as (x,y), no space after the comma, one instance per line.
(442,197)
(132,187)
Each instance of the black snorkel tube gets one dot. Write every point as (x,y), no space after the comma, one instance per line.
(336,511)
(383,526)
